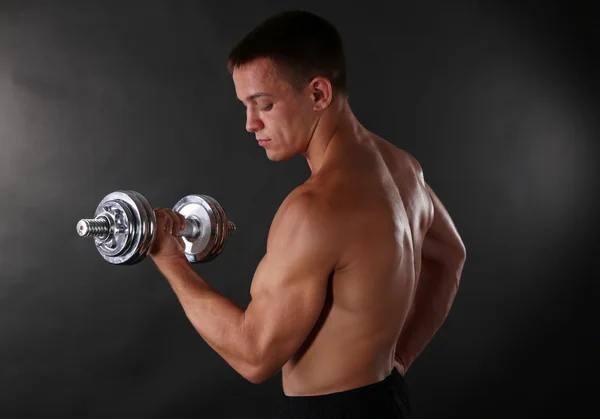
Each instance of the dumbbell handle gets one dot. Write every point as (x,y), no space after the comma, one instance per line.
(100,227)
(191,229)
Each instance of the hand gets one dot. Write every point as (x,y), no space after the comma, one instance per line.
(167,242)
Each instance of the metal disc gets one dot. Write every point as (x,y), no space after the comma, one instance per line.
(222,228)
(122,226)
(148,227)
(203,210)
(136,229)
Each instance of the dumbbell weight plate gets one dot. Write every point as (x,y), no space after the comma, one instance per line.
(212,233)
(132,236)
(221,233)
(148,225)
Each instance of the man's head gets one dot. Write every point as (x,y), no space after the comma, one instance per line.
(288,72)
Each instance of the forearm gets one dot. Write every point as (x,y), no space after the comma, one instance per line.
(435,294)
(217,319)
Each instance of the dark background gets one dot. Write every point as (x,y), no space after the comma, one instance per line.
(497,100)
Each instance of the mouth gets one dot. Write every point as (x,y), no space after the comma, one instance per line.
(263,141)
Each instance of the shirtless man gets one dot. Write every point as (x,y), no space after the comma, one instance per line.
(362,262)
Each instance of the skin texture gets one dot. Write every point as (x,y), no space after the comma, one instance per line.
(362,261)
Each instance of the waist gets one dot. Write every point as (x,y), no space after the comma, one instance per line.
(391,387)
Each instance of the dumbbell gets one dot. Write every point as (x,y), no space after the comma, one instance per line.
(124,227)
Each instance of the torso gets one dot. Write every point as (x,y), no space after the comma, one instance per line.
(382,207)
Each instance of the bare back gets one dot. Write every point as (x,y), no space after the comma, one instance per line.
(381,201)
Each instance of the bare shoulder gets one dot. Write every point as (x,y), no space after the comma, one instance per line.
(304,216)
(415,163)
(402,157)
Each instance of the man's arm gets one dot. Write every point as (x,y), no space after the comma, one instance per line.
(288,293)
(443,258)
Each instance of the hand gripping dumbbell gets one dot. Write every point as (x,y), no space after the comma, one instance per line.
(125,223)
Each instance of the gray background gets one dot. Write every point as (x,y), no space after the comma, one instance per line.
(498,101)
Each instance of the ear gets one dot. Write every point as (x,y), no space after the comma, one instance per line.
(321,93)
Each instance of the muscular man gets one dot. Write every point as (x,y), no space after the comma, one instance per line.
(362,262)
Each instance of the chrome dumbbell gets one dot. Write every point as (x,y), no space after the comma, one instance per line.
(124,224)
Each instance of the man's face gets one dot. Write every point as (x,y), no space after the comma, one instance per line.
(274,111)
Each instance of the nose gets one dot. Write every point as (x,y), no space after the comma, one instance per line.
(253,123)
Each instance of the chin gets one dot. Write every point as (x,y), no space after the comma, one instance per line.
(276,157)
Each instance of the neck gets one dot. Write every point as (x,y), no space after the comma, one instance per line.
(337,123)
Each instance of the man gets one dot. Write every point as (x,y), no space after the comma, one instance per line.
(362,262)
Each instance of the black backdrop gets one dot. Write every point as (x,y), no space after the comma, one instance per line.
(498,101)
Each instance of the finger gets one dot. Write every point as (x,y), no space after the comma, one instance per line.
(168,223)
(169,220)
(160,215)
(176,222)
(182,219)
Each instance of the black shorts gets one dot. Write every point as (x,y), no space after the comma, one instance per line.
(385,399)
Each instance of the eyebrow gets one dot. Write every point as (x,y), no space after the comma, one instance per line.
(257,95)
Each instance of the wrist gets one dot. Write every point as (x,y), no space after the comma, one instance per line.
(176,259)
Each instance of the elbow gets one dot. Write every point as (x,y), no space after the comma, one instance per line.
(452,256)
(261,361)
(251,372)
(256,379)
(459,257)
(461,252)
(454,264)
(257,368)
(252,368)
(461,262)
(257,374)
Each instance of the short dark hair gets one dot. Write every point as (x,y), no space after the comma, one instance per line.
(302,46)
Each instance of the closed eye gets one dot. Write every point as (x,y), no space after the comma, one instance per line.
(267,108)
